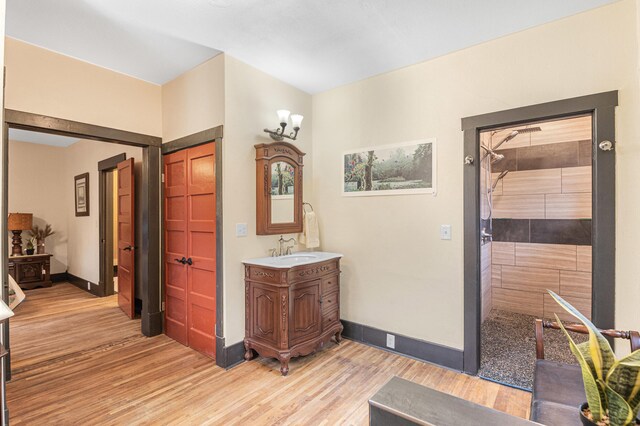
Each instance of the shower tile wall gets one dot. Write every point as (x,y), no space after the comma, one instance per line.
(542,220)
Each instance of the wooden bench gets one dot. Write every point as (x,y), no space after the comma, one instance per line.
(558,389)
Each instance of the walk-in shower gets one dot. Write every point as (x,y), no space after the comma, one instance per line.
(489,157)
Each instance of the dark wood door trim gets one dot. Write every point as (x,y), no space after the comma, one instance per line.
(150,251)
(59,126)
(224,354)
(602,108)
(189,141)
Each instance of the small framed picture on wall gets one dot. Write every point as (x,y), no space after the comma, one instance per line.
(82,194)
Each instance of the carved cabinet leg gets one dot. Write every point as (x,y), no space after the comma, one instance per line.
(284,363)
(248,354)
(339,336)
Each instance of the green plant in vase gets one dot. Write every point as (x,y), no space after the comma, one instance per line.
(30,245)
(612,385)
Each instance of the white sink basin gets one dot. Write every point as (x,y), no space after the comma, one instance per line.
(291,260)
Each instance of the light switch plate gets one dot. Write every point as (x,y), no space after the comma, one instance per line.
(445,232)
(241,230)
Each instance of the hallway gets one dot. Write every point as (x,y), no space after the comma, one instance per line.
(78,359)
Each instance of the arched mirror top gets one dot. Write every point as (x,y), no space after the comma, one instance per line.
(278,188)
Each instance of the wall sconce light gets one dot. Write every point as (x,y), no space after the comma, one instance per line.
(283,116)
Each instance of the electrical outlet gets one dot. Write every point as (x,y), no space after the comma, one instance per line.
(445,232)
(89,285)
(241,230)
(391,341)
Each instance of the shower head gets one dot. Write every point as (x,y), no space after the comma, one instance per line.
(515,133)
(494,156)
(528,130)
(500,176)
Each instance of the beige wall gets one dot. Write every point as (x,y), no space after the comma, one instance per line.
(36,176)
(251,100)
(194,101)
(44,82)
(397,274)
(83,241)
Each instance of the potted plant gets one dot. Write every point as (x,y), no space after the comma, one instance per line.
(40,234)
(30,248)
(612,385)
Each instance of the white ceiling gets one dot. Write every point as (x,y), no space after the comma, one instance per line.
(40,138)
(313,45)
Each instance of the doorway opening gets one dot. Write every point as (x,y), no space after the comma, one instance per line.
(149,202)
(535,235)
(526,231)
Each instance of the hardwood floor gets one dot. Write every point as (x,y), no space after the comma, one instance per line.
(77,359)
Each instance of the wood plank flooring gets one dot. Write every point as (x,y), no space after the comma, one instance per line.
(78,359)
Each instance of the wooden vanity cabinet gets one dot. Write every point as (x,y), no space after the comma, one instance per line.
(291,312)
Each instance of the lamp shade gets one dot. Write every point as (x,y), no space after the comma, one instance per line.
(5,311)
(296,120)
(283,115)
(20,221)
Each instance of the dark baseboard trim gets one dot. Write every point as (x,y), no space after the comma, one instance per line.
(81,283)
(60,277)
(152,323)
(228,356)
(408,346)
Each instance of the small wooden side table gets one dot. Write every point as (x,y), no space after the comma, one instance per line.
(31,271)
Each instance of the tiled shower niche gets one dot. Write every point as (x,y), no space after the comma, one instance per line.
(540,218)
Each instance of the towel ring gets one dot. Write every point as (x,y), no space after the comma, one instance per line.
(307,204)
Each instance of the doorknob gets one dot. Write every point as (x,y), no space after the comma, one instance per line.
(183,260)
(128,248)
(189,261)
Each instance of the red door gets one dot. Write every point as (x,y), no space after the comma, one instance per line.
(175,242)
(190,247)
(126,237)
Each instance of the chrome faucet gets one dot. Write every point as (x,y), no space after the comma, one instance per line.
(282,249)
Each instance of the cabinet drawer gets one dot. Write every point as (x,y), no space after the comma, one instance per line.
(330,317)
(330,301)
(330,284)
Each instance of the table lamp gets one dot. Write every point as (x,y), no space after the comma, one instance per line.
(17,223)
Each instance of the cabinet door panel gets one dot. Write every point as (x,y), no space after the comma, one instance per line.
(30,272)
(304,305)
(264,317)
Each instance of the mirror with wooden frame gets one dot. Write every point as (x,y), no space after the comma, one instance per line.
(278,188)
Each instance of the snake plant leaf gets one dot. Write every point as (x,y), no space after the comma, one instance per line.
(601,353)
(593,390)
(620,413)
(624,378)
(585,351)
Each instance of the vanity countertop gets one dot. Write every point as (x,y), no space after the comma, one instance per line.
(292,260)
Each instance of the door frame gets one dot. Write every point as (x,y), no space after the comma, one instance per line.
(602,108)
(225,356)
(106,166)
(149,196)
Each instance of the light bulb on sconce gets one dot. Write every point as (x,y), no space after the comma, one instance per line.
(283,117)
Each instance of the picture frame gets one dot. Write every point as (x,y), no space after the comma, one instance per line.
(81,191)
(403,168)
